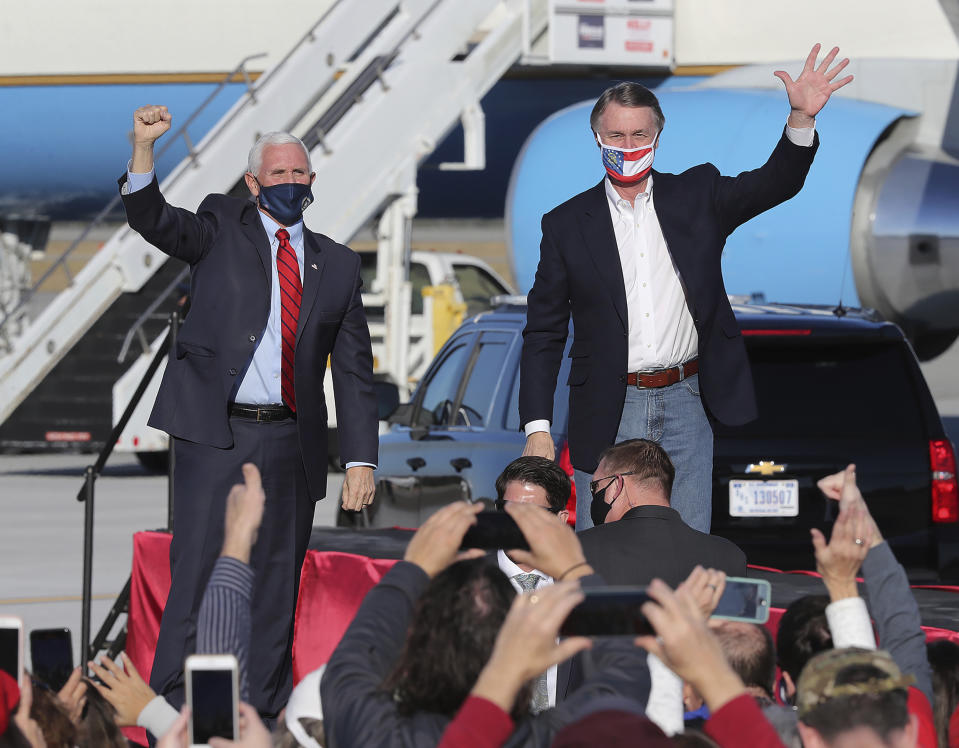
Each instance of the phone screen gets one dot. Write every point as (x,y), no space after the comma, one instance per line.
(494,530)
(609,611)
(212,694)
(744,600)
(51,654)
(10,651)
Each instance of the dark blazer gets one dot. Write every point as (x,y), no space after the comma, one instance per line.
(653,542)
(230,267)
(580,274)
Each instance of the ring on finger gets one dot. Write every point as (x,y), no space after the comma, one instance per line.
(713,587)
(859,541)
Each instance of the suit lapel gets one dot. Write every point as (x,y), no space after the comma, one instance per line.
(253,230)
(602,249)
(313,260)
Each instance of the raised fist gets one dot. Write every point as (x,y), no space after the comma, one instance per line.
(149,123)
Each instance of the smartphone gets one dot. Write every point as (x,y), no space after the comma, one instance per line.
(744,600)
(11,647)
(51,656)
(212,691)
(494,530)
(609,611)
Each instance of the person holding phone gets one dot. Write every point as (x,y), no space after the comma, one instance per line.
(429,597)
(638,534)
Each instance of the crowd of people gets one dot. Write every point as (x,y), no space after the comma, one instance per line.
(450,649)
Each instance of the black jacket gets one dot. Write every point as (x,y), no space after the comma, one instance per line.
(653,542)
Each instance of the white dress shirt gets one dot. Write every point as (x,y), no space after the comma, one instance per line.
(661,330)
(510,569)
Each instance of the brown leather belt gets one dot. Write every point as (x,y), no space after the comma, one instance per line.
(261,413)
(662,377)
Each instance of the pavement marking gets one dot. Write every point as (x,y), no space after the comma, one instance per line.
(55,599)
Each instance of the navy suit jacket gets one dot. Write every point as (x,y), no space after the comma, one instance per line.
(228,251)
(580,275)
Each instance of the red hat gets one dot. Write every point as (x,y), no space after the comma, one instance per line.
(612,728)
(9,698)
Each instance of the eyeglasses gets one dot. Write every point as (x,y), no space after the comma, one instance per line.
(598,492)
(500,506)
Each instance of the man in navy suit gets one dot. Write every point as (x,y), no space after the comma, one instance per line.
(271,302)
(635,260)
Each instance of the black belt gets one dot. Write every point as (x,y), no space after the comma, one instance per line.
(663,377)
(261,413)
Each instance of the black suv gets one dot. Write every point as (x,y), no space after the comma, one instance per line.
(833,386)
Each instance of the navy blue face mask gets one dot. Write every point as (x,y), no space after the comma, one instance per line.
(285,202)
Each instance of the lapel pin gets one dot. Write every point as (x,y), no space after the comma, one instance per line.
(313,265)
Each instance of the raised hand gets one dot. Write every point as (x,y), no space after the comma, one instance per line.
(809,93)
(553,546)
(123,687)
(436,544)
(244,513)
(842,487)
(150,122)
(838,561)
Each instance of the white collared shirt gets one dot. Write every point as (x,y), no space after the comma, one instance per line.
(510,569)
(661,330)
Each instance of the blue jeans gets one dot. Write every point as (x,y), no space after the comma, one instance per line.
(674,418)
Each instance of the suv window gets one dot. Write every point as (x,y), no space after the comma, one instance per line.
(844,380)
(488,364)
(439,394)
(477,287)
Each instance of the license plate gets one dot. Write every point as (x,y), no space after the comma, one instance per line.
(763,498)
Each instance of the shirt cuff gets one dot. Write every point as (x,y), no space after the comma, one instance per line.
(849,624)
(137,181)
(359,464)
(157,716)
(803,136)
(534,426)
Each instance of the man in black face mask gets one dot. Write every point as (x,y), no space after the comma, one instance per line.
(271,301)
(637,535)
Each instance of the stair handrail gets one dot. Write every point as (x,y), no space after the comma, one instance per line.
(192,153)
(137,327)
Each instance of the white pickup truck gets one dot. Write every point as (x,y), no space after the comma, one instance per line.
(473,281)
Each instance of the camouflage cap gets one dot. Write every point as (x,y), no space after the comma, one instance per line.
(817,683)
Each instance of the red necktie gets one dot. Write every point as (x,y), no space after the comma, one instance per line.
(291,291)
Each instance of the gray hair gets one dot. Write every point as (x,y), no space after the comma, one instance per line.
(255,159)
(627,94)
